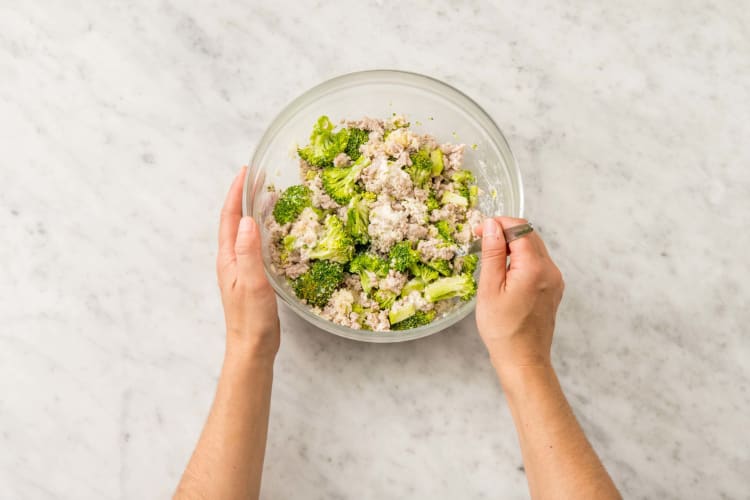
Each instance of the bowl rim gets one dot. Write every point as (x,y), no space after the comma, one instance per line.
(366,76)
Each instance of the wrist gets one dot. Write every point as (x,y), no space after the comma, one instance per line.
(252,347)
(517,379)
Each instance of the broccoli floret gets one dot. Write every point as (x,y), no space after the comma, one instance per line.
(401,312)
(441,266)
(454,198)
(341,182)
(335,244)
(436,157)
(358,219)
(365,263)
(445,230)
(324,144)
(419,318)
(464,177)
(288,242)
(357,137)
(420,169)
(432,203)
(319,282)
(473,196)
(461,285)
(402,256)
(384,298)
(424,272)
(291,203)
(468,263)
(413,285)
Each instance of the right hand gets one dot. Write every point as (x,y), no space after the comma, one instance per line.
(517,304)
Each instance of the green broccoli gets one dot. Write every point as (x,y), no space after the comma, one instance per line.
(357,137)
(324,144)
(384,298)
(468,263)
(445,230)
(461,285)
(464,177)
(341,182)
(432,203)
(358,217)
(365,263)
(319,282)
(400,312)
(436,157)
(413,285)
(473,195)
(420,318)
(441,266)
(402,256)
(291,203)
(335,244)
(454,198)
(424,272)
(420,169)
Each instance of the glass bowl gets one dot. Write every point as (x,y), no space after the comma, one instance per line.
(432,107)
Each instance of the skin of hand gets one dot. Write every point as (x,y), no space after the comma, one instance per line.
(516,308)
(250,310)
(228,460)
(516,305)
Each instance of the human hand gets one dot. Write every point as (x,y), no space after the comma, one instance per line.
(250,310)
(517,304)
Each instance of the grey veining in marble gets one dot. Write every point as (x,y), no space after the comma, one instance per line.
(122,124)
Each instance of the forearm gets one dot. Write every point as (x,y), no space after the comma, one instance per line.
(559,461)
(228,460)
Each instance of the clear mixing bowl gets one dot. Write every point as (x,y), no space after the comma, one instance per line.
(432,107)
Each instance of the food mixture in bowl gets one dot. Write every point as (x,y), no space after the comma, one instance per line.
(376,235)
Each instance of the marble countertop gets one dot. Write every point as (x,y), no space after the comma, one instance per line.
(122,124)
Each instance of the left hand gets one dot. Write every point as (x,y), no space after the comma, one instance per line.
(250,310)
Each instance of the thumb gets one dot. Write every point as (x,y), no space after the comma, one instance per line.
(494,257)
(247,250)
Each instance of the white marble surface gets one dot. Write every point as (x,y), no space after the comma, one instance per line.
(122,123)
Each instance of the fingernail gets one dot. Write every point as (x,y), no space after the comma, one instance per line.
(246,224)
(490,229)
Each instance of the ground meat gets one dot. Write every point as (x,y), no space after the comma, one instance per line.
(416,232)
(339,308)
(454,214)
(378,321)
(387,226)
(401,139)
(306,230)
(319,196)
(419,301)
(353,283)
(463,234)
(474,218)
(341,160)
(417,210)
(454,156)
(436,249)
(385,177)
(304,168)
(394,282)
(367,123)
(295,270)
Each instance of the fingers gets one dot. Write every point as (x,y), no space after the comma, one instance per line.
(493,257)
(527,245)
(231,214)
(248,252)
